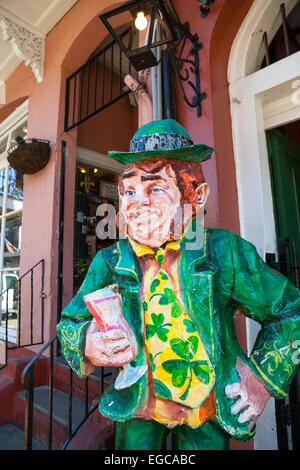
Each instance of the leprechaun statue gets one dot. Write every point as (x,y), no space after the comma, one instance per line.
(180,285)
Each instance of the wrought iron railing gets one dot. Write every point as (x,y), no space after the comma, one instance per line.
(288,410)
(33,332)
(28,380)
(97,84)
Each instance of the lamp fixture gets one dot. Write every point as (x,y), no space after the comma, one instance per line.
(161,27)
(135,13)
(141,22)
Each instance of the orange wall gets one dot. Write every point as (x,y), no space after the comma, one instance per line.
(112,127)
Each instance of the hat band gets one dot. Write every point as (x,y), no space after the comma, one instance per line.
(159,142)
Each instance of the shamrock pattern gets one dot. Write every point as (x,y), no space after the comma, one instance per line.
(158,327)
(184,368)
(180,366)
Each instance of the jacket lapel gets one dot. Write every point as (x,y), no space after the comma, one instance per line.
(196,277)
(127,269)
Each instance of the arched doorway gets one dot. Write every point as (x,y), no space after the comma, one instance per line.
(265,110)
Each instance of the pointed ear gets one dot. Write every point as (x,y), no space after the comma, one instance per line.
(203,193)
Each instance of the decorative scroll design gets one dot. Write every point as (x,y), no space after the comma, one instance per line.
(28,46)
(187,68)
(204,7)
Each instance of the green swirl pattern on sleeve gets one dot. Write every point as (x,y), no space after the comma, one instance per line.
(72,340)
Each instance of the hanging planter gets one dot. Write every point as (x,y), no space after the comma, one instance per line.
(29,156)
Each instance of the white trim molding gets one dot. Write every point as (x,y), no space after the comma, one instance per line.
(24,27)
(27,45)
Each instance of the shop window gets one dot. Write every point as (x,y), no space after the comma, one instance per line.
(94,187)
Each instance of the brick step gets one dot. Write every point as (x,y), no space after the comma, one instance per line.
(61,373)
(41,417)
(12,438)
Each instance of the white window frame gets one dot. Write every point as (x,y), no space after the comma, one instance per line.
(260,100)
(7,127)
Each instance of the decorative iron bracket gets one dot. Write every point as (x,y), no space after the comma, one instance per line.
(183,67)
(204,7)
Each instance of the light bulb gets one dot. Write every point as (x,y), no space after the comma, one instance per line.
(140,21)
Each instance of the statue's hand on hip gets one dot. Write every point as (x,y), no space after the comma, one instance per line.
(250,395)
(112,348)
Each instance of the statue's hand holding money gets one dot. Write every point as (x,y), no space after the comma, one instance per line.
(111,348)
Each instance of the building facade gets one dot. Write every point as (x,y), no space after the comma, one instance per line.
(249,71)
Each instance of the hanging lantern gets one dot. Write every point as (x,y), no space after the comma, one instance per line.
(144,17)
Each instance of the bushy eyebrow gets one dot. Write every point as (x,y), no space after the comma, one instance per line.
(128,175)
(151,178)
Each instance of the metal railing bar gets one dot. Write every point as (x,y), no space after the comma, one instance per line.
(79,426)
(36,357)
(103,77)
(266,45)
(29,412)
(285,30)
(111,72)
(67,102)
(120,70)
(80,92)
(50,398)
(74,98)
(25,345)
(31,306)
(102,380)
(95,82)
(87,88)
(105,49)
(70,402)
(21,277)
(43,301)
(19,313)
(86,402)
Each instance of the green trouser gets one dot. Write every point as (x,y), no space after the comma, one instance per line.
(139,434)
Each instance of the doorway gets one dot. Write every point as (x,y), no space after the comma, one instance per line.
(284,161)
(94,186)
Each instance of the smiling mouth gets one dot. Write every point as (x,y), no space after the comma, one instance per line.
(144,214)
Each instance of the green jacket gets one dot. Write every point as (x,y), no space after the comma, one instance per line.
(224,273)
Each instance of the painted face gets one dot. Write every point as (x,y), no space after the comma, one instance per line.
(149,205)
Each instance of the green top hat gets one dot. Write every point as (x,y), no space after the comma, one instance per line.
(164,139)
